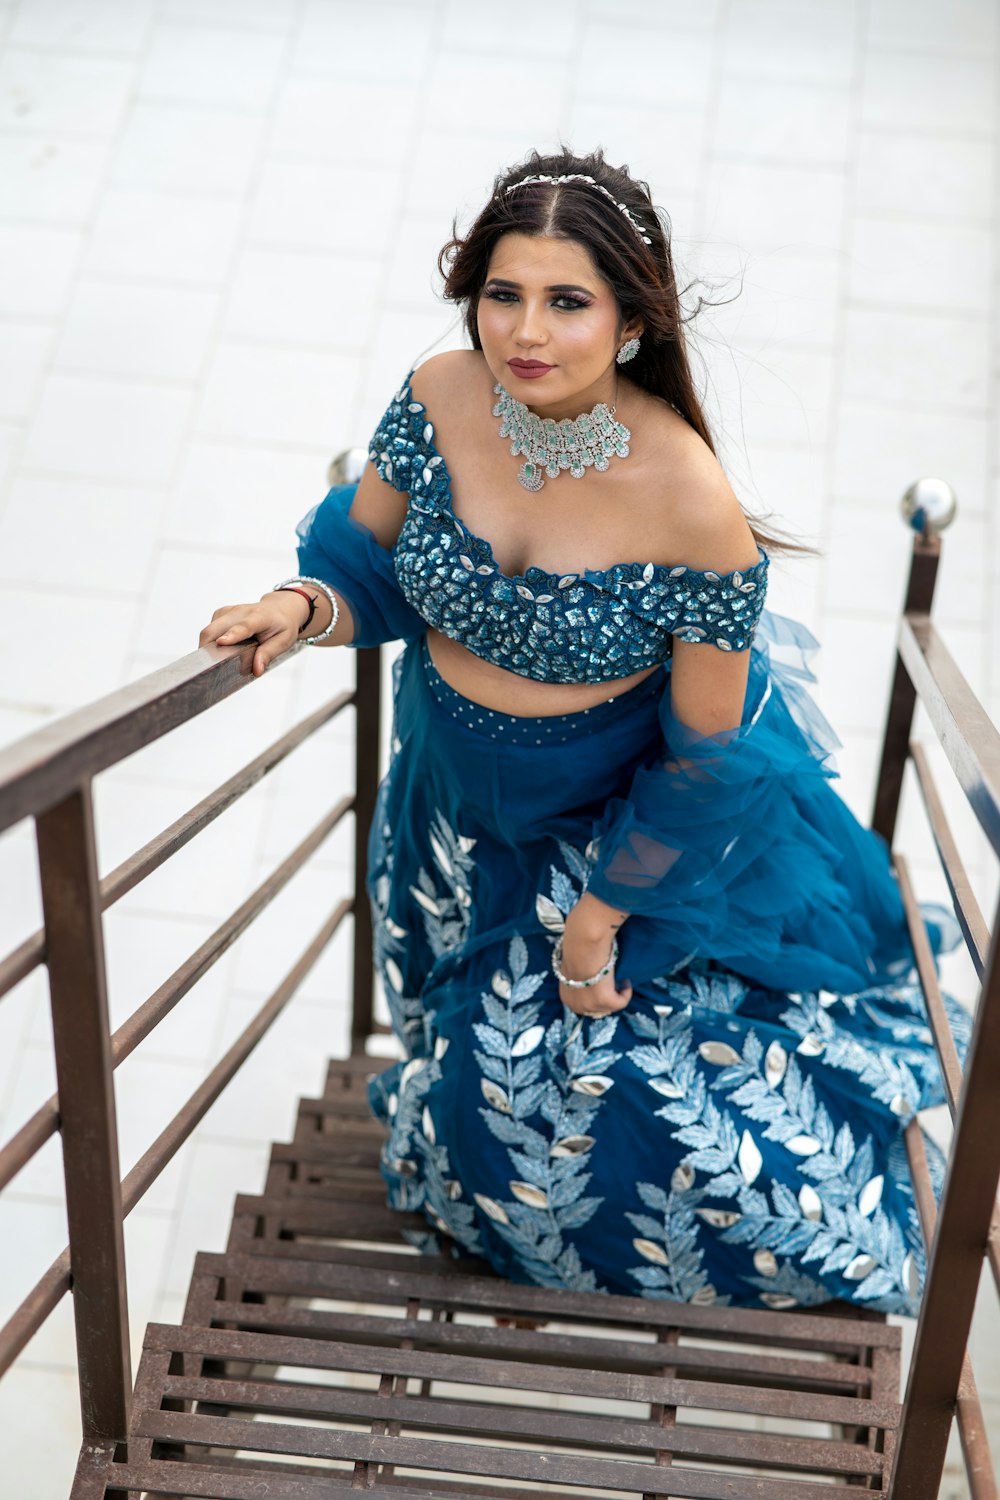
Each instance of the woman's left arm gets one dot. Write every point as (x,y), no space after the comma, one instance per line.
(707,688)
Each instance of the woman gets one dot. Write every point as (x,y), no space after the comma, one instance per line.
(651,978)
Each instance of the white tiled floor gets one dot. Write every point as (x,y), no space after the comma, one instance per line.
(218,226)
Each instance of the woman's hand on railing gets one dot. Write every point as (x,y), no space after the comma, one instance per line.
(274,622)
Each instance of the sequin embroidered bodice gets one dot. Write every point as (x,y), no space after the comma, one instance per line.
(593,626)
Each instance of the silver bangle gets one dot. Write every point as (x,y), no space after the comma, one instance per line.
(328,594)
(582,984)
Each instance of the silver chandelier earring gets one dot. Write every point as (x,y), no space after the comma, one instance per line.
(628,351)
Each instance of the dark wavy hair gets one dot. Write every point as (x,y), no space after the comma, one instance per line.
(638,267)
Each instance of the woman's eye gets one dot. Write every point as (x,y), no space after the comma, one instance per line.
(563,303)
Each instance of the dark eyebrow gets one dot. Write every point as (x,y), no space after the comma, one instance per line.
(515,286)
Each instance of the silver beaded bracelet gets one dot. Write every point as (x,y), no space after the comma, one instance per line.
(328,594)
(582,984)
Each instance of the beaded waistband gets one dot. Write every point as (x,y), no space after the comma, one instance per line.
(548,729)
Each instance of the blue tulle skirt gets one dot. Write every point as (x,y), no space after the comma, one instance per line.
(734,1134)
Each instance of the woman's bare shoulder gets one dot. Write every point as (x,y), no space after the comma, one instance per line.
(448,374)
(692,503)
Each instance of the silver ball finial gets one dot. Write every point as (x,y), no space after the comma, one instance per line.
(347,467)
(929,506)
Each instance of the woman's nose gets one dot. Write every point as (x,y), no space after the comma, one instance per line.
(530,326)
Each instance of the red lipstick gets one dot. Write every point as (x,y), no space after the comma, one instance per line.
(529,369)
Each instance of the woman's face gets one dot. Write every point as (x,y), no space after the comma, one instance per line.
(549,324)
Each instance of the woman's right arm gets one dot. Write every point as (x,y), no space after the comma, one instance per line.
(280,615)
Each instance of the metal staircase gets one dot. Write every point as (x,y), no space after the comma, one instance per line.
(322,1354)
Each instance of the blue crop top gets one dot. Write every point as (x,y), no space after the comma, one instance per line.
(593,626)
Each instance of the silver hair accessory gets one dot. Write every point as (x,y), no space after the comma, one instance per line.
(628,351)
(582,984)
(577,443)
(591,182)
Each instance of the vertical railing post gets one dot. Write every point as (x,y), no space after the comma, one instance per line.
(74,944)
(368,700)
(955,1257)
(903,699)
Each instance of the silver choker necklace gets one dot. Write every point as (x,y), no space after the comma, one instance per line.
(577,443)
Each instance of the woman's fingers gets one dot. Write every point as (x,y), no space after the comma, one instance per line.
(238,622)
(223,622)
(232,624)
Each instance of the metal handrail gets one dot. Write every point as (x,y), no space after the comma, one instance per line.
(36,771)
(966,733)
(48,776)
(44,1123)
(965,1227)
(29,954)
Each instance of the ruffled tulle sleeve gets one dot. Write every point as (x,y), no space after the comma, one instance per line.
(345,554)
(725,849)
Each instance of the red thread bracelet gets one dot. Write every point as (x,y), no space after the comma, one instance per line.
(309,598)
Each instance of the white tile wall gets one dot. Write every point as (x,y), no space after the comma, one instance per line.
(163,237)
(57,93)
(49,181)
(102,26)
(175,148)
(218,226)
(117,430)
(36,267)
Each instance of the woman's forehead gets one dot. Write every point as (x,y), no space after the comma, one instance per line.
(548,259)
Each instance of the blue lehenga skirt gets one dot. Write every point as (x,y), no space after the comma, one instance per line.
(722,1138)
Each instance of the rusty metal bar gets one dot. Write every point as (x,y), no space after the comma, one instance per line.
(967,909)
(19,964)
(968,738)
(972,1432)
(29,1140)
(510,1423)
(197,1481)
(960,1240)
(46,1295)
(490,1295)
(164,1148)
(555,1378)
(920,1175)
(698,1361)
(993,1249)
(951,1069)
(67,862)
(39,770)
(919,596)
(162,1001)
(25,1322)
(968,1412)
(368,699)
(159,849)
(944,1042)
(229,1481)
(473,1459)
(45,1121)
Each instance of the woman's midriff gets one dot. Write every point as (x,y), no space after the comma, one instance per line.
(505,692)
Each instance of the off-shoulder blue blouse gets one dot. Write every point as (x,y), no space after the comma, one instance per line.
(590,626)
(699,844)
(593,626)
